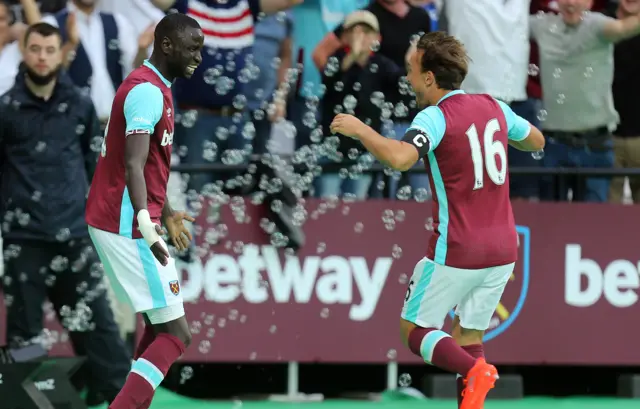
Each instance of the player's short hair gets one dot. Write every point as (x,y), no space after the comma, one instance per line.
(445,57)
(174,24)
(44,29)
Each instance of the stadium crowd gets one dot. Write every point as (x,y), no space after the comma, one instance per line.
(275,68)
(274,73)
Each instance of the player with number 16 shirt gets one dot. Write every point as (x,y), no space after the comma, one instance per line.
(463,140)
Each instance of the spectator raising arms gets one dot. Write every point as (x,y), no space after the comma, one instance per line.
(11,39)
(576,72)
(626,87)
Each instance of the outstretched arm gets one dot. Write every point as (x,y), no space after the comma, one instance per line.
(398,155)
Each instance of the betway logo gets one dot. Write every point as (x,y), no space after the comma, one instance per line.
(618,281)
(167,138)
(224,278)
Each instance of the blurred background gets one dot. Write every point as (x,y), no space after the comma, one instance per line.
(303,243)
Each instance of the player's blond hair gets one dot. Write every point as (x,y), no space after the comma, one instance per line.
(445,57)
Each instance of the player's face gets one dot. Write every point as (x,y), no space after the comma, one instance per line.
(187,55)
(418,79)
(43,57)
(572,10)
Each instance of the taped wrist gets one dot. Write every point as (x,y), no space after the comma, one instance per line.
(147,227)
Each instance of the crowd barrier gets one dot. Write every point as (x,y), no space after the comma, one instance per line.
(572,299)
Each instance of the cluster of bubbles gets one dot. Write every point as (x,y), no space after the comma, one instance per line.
(298,172)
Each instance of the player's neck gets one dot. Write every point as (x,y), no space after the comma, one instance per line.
(438,94)
(161,67)
(41,91)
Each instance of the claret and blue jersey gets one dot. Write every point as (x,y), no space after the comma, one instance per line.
(143,104)
(467,164)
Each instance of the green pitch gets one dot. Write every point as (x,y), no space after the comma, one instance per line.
(167,400)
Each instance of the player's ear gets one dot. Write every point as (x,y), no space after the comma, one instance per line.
(167,45)
(429,79)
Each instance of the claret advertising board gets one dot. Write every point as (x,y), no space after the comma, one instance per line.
(573,297)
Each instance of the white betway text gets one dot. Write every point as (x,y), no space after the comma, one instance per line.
(258,274)
(586,282)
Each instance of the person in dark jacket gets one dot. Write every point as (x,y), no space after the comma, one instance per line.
(49,134)
(356,79)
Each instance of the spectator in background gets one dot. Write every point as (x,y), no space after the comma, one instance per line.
(10,56)
(315,18)
(140,13)
(267,94)
(100,50)
(399,23)
(626,88)
(49,135)
(576,71)
(11,36)
(211,104)
(496,36)
(352,86)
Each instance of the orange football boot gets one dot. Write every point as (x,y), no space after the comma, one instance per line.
(479,381)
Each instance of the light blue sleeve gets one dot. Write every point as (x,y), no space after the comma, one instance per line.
(143,108)
(431,122)
(518,128)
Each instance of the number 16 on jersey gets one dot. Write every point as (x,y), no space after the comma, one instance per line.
(493,150)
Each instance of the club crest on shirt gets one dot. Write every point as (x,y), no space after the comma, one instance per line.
(515,294)
(174,286)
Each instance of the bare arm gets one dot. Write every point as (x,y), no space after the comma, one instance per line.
(286,60)
(397,155)
(32,15)
(273,6)
(325,49)
(532,143)
(31,11)
(135,157)
(618,30)
(167,210)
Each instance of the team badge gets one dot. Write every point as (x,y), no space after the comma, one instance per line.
(175,287)
(515,293)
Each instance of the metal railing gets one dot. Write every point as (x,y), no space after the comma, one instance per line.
(334,167)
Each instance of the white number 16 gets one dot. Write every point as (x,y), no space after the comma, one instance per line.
(491,150)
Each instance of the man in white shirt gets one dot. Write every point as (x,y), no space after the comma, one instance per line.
(140,13)
(10,37)
(100,49)
(496,36)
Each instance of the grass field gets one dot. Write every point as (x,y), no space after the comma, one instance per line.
(168,400)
